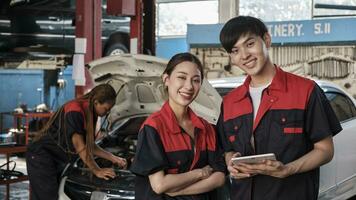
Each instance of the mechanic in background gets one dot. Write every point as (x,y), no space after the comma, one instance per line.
(69,133)
(177,155)
(272,112)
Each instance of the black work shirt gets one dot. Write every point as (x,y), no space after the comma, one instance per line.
(163,145)
(293,115)
(58,140)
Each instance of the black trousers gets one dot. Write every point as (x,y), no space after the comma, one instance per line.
(44,174)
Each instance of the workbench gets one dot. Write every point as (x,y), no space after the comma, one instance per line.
(8,150)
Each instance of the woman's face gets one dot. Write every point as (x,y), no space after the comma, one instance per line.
(102,109)
(184,83)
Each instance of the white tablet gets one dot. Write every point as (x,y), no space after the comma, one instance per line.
(253,159)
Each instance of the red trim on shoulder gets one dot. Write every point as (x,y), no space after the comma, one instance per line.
(171,142)
(297,95)
(76,106)
(236,103)
(150,120)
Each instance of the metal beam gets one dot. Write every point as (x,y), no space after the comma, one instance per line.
(88,25)
(149,25)
(340,15)
(228,9)
(58,62)
(333,6)
(178,1)
(136,32)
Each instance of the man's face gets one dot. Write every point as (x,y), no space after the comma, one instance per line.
(250,53)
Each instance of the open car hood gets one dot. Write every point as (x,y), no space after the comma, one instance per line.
(142,91)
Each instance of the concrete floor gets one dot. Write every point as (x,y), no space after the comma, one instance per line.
(18,191)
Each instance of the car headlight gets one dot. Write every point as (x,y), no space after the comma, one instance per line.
(98,195)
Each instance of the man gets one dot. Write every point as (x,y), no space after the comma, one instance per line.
(272,112)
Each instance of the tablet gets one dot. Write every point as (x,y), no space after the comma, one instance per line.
(253,159)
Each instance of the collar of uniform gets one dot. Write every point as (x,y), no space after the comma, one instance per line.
(279,81)
(171,121)
(242,91)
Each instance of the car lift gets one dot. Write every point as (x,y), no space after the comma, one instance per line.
(88,25)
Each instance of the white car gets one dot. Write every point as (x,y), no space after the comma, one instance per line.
(338,177)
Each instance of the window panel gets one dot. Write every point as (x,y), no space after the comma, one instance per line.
(342,105)
(174,17)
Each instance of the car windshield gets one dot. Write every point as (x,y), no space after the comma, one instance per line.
(223,91)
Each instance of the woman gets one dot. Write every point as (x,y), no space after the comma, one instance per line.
(177,156)
(69,132)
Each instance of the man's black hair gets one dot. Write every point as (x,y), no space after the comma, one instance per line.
(240,26)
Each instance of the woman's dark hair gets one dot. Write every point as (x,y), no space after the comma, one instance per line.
(240,26)
(182,57)
(103,93)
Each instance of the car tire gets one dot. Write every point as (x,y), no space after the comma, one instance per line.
(116,49)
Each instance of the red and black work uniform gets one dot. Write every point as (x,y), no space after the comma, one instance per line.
(164,145)
(47,157)
(293,115)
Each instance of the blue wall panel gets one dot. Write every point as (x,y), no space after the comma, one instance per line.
(284,32)
(19,87)
(26,87)
(166,47)
(58,96)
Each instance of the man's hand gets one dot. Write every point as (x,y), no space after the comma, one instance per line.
(235,172)
(267,167)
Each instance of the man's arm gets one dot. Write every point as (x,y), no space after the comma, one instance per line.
(322,153)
